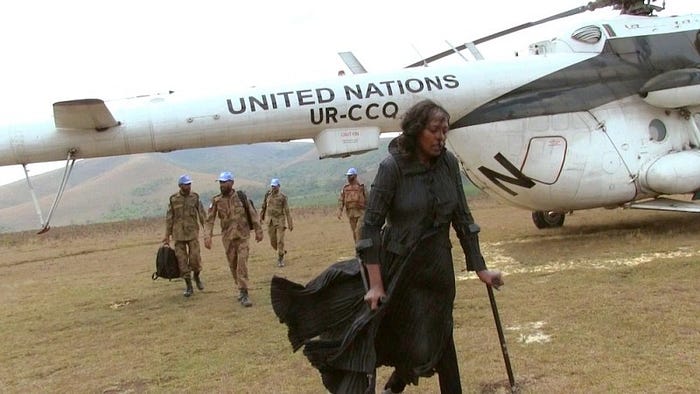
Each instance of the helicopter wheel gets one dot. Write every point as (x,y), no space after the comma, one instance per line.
(548,219)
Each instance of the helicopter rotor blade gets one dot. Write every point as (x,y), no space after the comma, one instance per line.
(588,7)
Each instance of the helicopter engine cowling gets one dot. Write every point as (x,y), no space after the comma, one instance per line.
(673,89)
(674,173)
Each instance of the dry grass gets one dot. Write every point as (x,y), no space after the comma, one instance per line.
(609,303)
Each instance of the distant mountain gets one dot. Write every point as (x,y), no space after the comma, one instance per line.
(138,186)
(135,186)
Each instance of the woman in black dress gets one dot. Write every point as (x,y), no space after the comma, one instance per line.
(406,274)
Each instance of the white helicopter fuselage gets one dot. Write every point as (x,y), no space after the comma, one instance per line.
(605,157)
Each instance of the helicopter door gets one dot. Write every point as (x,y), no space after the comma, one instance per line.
(544,159)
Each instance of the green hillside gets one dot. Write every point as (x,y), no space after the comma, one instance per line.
(138,186)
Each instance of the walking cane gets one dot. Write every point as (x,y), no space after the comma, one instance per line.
(501,338)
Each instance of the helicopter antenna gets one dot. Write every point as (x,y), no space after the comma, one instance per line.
(423,62)
(456,51)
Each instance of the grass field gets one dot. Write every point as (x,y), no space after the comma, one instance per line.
(608,303)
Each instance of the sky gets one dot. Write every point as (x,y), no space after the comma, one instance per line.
(71,49)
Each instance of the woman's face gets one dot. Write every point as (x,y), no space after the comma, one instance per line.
(431,140)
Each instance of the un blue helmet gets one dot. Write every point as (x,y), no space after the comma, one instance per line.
(225,176)
(275,182)
(351,171)
(184,180)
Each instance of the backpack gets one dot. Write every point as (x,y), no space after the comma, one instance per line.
(354,196)
(166,264)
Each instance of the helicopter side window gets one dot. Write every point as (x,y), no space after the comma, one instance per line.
(657,130)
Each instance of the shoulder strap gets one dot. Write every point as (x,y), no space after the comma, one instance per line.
(244,200)
(264,203)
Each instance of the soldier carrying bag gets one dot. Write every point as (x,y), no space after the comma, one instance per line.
(166,264)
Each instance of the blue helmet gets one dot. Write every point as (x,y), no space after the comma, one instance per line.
(225,176)
(275,182)
(351,171)
(184,180)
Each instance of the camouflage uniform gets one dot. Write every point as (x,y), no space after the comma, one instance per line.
(276,208)
(235,232)
(352,198)
(185,215)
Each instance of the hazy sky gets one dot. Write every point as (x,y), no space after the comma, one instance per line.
(71,49)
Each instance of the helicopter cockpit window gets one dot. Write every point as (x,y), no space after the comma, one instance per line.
(588,34)
(657,130)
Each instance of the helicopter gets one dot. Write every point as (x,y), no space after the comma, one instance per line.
(603,115)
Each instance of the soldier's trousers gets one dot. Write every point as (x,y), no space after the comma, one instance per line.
(276,234)
(237,256)
(188,256)
(356,217)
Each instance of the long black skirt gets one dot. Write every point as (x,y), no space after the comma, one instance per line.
(411,331)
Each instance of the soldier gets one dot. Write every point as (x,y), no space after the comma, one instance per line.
(276,207)
(238,218)
(185,215)
(352,198)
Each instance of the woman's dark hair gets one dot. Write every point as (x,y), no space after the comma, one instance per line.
(414,121)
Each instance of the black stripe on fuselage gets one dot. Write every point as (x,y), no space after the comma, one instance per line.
(620,70)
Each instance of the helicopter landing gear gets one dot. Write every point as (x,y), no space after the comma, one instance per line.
(548,219)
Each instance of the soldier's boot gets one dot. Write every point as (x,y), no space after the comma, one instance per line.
(188,291)
(244,299)
(280,261)
(198,281)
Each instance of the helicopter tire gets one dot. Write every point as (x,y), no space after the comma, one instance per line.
(548,219)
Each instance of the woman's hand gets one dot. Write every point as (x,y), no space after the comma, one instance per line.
(491,278)
(375,296)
